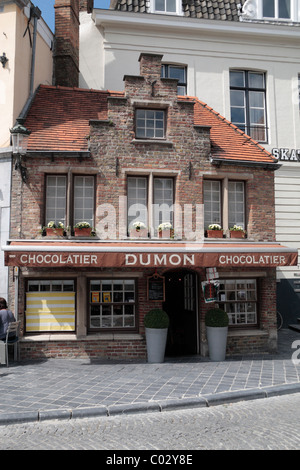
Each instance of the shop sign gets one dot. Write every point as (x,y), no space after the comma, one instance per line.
(283,154)
(142,260)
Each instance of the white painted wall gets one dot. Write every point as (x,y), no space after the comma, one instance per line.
(5,188)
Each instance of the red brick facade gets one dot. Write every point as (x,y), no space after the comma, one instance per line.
(194,134)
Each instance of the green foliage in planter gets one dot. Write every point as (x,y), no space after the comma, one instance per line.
(216,317)
(156,318)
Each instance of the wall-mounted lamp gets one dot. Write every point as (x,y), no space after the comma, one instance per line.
(3,59)
(20,136)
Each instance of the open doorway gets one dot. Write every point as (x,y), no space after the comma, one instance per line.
(181,306)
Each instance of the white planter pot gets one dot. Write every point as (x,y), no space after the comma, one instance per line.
(217,341)
(156,340)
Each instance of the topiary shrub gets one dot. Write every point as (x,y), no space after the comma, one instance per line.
(156,318)
(216,317)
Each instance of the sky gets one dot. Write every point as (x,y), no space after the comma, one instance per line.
(47,9)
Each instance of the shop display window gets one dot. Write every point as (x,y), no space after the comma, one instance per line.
(238,297)
(112,304)
(50,305)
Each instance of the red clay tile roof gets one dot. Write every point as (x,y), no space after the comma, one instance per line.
(59,117)
(227,140)
(59,121)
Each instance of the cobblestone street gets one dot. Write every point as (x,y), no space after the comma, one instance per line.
(272,423)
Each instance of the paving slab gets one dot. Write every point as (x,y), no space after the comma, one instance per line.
(75,388)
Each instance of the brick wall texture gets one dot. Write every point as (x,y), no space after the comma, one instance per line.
(112,142)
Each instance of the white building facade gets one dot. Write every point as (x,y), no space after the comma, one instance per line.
(241,58)
(25,62)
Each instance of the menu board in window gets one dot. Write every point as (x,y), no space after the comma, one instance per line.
(156,287)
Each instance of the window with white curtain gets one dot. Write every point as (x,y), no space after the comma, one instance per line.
(213,200)
(83,200)
(145,206)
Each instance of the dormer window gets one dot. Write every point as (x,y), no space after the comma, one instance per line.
(277,9)
(271,10)
(166,6)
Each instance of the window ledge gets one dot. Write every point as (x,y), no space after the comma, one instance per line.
(73,337)
(245,332)
(152,142)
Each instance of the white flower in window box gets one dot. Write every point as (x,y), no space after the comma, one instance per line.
(138,230)
(55,229)
(165,230)
(237,231)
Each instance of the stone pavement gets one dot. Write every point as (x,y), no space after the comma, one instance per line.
(74,388)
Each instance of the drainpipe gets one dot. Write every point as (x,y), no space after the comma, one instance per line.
(35,13)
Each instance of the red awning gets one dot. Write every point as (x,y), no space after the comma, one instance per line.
(152,254)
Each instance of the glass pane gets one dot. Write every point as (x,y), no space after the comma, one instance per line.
(55,199)
(171,5)
(238,115)
(256,80)
(257,116)
(269,8)
(237,98)
(177,72)
(284,7)
(256,99)
(84,199)
(237,79)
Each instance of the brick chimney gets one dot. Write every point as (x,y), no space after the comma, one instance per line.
(86,5)
(66,50)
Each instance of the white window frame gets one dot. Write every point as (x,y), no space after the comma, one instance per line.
(294,11)
(178,7)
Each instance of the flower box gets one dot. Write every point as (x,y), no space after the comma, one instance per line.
(214,233)
(237,234)
(54,232)
(138,233)
(83,232)
(166,233)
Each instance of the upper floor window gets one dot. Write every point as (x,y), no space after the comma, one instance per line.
(218,191)
(248,103)
(62,207)
(151,207)
(166,6)
(150,124)
(277,9)
(272,10)
(176,71)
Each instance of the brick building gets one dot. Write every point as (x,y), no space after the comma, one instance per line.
(147,155)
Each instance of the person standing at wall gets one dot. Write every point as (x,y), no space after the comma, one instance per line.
(6,317)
